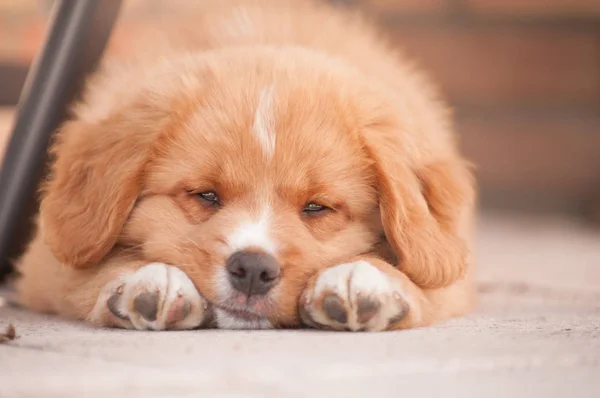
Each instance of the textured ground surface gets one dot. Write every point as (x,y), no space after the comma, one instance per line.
(536,334)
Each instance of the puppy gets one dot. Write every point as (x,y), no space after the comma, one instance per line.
(268,165)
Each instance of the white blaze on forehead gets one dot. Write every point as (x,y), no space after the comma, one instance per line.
(243,21)
(254,233)
(264,122)
(237,25)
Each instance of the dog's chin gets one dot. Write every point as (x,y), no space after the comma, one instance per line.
(234,310)
(240,319)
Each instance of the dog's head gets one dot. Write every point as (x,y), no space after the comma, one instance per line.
(250,171)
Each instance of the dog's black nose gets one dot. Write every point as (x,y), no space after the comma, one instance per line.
(253,273)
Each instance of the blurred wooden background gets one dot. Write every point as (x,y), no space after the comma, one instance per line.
(522,75)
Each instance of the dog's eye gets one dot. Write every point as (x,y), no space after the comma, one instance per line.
(312,208)
(209,196)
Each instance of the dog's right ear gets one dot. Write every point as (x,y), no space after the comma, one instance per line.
(423,205)
(93,185)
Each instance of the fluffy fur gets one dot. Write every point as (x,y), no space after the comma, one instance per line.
(271,105)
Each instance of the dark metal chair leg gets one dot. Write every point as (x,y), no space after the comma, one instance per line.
(78,34)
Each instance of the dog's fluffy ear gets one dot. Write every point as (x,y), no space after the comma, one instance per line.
(93,185)
(422,209)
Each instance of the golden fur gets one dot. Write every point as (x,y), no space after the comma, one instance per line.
(357,127)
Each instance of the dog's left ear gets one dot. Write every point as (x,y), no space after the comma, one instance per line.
(422,208)
(93,185)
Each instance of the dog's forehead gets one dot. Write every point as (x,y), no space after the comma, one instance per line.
(269,124)
(288,136)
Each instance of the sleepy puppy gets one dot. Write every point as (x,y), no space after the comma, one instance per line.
(274,165)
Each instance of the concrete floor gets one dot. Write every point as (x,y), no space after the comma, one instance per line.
(536,333)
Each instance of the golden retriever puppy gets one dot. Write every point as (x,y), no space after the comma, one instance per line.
(270,164)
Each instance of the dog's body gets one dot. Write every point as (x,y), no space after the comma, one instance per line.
(272,166)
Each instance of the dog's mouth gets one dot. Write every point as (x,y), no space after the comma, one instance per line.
(237,316)
(240,313)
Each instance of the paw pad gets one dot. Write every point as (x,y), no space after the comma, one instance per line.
(146,304)
(156,297)
(353,296)
(367,309)
(334,307)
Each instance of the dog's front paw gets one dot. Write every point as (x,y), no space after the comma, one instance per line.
(354,296)
(155,297)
